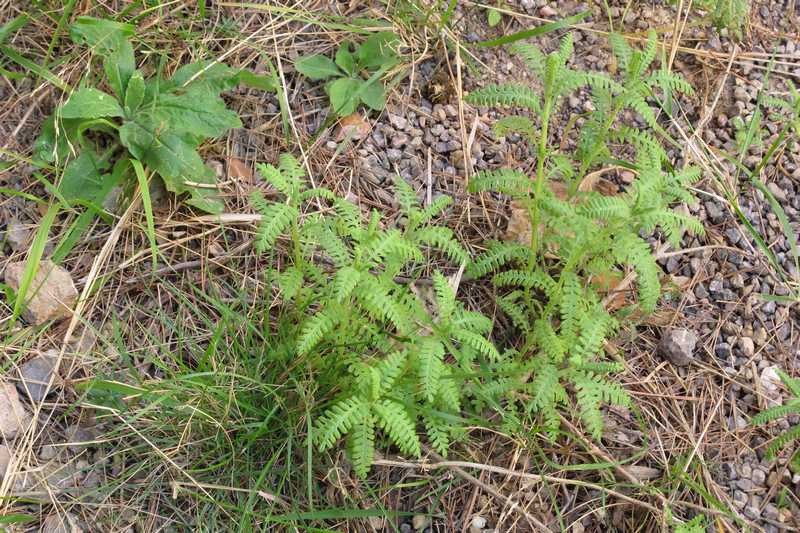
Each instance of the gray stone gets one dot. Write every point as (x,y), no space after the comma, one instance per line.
(741,94)
(747,346)
(744,484)
(771,512)
(17,234)
(35,375)
(722,350)
(739,499)
(729,470)
(394,154)
(759,477)
(672,265)
(51,294)
(716,286)
(752,512)
(677,346)
(776,191)
(399,140)
(733,235)
(700,291)
(79,437)
(61,476)
(477,524)
(398,121)
(13,416)
(714,212)
(48,452)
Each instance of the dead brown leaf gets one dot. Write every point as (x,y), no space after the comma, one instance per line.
(607,283)
(240,170)
(352,127)
(519,224)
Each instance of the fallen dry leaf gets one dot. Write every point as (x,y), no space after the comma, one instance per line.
(681,282)
(352,127)
(240,170)
(607,283)
(519,224)
(596,182)
(660,318)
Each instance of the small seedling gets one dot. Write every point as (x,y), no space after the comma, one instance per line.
(729,15)
(695,525)
(157,121)
(354,76)
(791,407)
(493,16)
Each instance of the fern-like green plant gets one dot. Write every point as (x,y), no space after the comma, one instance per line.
(551,288)
(695,525)
(727,14)
(390,367)
(792,406)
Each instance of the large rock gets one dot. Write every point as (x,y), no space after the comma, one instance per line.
(5,460)
(13,416)
(52,475)
(677,346)
(36,373)
(61,523)
(50,296)
(17,234)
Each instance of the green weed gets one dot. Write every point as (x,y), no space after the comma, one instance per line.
(553,287)
(493,16)
(158,121)
(786,113)
(355,73)
(727,14)
(366,338)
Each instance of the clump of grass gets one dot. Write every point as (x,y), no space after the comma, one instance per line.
(217,430)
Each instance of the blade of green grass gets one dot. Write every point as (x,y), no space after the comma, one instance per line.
(21,194)
(11,27)
(62,21)
(35,68)
(33,259)
(535,32)
(144,187)
(16,518)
